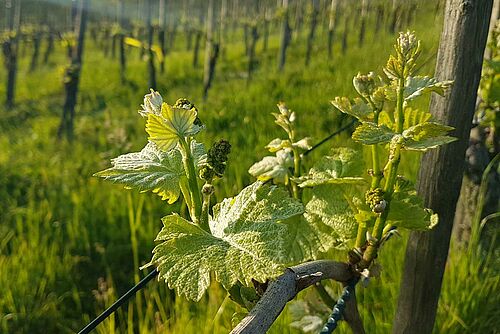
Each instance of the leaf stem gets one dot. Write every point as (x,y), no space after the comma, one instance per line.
(297,193)
(206,193)
(376,176)
(194,190)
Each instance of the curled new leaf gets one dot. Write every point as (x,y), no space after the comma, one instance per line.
(276,168)
(358,109)
(173,123)
(152,104)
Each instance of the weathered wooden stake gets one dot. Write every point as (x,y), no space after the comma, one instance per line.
(460,59)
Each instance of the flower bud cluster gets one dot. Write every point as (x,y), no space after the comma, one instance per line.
(375,199)
(217,157)
(285,118)
(407,49)
(407,45)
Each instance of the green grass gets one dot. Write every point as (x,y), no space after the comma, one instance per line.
(70,244)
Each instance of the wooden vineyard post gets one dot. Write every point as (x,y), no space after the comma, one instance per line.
(460,57)
(285,36)
(211,50)
(149,46)
(332,25)
(312,31)
(10,48)
(72,75)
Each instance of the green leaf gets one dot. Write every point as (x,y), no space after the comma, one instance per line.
(306,239)
(415,116)
(276,168)
(359,109)
(278,144)
(418,85)
(344,165)
(173,123)
(303,144)
(424,136)
(152,104)
(429,143)
(407,211)
(246,242)
(426,130)
(149,169)
(257,203)
(330,207)
(369,134)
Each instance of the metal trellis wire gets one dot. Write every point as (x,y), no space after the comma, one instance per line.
(92,325)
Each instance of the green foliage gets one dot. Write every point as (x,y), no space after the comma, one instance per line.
(342,166)
(244,243)
(416,86)
(165,129)
(149,169)
(408,212)
(276,167)
(330,206)
(370,133)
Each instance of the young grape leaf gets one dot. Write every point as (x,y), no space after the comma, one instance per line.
(429,143)
(173,123)
(307,238)
(407,211)
(149,169)
(245,242)
(427,135)
(413,117)
(426,130)
(329,205)
(343,165)
(303,144)
(359,109)
(370,133)
(278,144)
(152,104)
(276,168)
(418,85)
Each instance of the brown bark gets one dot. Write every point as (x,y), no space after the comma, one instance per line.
(460,59)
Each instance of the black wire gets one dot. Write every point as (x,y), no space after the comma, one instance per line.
(119,303)
(324,140)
